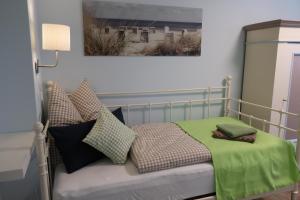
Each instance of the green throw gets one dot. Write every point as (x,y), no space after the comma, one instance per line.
(243,169)
(233,130)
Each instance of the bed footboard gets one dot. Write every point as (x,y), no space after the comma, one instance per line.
(42,156)
(281,128)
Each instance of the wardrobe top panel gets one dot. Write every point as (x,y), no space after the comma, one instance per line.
(272,24)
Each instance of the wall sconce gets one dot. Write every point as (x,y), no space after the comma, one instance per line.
(56,38)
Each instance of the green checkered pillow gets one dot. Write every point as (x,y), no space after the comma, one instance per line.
(110,137)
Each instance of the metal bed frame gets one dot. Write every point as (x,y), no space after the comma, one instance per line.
(42,145)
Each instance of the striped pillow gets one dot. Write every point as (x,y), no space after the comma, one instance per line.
(61,111)
(86,101)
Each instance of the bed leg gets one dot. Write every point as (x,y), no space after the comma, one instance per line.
(294,193)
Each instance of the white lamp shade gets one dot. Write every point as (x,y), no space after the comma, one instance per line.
(56,37)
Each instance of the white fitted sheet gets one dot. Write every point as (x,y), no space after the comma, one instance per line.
(104,181)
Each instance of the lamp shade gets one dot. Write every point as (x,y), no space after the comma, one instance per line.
(56,37)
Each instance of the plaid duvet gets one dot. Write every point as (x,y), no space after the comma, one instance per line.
(161,146)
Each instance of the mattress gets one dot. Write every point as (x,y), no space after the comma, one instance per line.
(104,181)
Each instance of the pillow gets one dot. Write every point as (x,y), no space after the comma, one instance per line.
(61,110)
(75,153)
(119,114)
(110,137)
(86,101)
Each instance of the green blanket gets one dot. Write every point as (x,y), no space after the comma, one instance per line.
(243,169)
(233,130)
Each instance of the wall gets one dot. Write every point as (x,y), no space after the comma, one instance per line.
(24,189)
(222,48)
(20,104)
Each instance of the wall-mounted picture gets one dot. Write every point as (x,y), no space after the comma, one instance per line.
(129,29)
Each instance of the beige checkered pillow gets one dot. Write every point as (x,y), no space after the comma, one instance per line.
(86,101)
(61,110)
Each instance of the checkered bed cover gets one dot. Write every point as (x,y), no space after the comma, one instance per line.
(160,146)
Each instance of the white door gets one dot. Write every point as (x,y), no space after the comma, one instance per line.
(294,98)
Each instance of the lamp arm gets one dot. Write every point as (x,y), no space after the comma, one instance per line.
(38,65)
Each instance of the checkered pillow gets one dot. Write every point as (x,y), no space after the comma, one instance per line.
(61,110)
(111,137)
(86,102)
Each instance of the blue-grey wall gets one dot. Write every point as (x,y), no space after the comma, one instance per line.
(17,101)
(19,86)
(222,47)
(23,189)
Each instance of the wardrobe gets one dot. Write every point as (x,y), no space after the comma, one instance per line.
(272,72)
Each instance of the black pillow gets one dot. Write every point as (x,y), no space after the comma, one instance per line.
(75,153)
(119,114)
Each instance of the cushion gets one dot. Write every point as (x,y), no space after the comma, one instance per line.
(75,153)
(61,110)
(245,138)
(55,156)
(86,101)
(111,137)
(119,114)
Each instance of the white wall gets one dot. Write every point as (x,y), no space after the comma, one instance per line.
(222,47)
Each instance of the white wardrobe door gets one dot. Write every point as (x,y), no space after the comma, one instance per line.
(294,97)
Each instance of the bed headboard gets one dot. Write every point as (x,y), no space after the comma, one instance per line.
(208,99)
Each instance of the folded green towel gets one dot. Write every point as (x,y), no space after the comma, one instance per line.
(233,131)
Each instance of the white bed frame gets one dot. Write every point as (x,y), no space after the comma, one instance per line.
(42,146)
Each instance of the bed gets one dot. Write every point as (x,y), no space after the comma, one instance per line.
(124,181)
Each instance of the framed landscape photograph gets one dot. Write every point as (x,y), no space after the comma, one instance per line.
(129,29)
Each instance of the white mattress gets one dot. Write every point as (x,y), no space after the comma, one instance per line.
(104,181)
